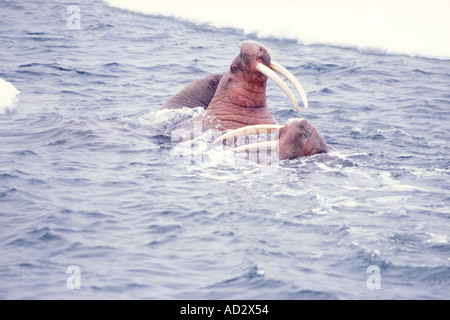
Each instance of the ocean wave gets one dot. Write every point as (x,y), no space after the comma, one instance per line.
(414,28)
(8,96)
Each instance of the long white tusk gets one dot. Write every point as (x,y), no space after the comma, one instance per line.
(257,147)
(272,75)
(283,71)
(249,130)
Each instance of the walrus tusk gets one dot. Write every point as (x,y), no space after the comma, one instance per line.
(257,147)
(281,70)
(249,129)
(272,75)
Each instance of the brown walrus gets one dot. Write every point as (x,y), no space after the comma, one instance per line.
(240,103)
(196,94)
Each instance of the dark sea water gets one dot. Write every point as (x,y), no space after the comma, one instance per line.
(92,192)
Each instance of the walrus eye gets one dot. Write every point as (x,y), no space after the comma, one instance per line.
(214,82)
(234,67)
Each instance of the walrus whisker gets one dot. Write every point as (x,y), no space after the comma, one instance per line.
(288,75)
(255,129)
(273,76)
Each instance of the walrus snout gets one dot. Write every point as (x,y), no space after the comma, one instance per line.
(253,53)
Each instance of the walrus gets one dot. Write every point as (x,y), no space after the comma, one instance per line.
(240,104)
(198,93)
(297,138)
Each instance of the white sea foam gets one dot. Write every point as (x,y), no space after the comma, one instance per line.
(437,238)
(8,96)
(416,28)
(165,119)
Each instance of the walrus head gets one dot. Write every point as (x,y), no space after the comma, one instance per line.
(248,75)
(299,138)
(240,98)
(246,85)
(296,138)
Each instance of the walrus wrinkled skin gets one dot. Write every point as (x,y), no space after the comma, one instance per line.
(240,98)
(240,104)
(196,94)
